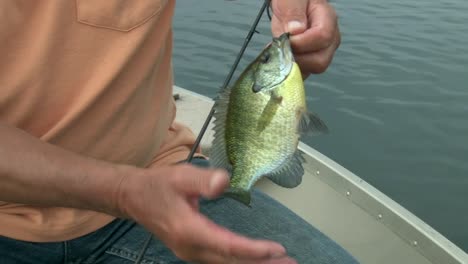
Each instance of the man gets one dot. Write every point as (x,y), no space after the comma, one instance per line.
(89,147)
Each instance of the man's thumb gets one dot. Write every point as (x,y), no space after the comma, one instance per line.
(292,15)
(208,183)
(216,185)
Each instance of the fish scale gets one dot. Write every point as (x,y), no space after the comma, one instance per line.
(257,153)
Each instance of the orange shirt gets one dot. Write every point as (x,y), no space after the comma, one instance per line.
(93,77)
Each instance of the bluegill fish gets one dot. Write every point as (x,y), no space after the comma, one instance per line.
(259,121)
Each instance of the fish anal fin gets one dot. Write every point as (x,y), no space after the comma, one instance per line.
(290,174)
(310,123)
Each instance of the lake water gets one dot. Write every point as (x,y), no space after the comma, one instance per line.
(395,97)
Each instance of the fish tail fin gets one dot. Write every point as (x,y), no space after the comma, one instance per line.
(239,195)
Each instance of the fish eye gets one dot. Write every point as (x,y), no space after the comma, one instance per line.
(266,58)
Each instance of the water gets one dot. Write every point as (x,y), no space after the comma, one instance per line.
(395,97)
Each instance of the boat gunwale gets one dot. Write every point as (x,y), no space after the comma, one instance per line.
(410,228)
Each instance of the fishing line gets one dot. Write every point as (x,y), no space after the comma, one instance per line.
(252,30)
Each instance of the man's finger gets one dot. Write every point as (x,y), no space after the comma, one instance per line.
(290,16)
(316,62)
(320,34)
(212,258)
(226,244)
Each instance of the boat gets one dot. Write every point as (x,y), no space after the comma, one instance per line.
(363,220)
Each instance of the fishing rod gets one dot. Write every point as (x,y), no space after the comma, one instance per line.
(252,30)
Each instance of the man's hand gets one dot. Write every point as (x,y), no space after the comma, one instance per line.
(315,35)
(165,201)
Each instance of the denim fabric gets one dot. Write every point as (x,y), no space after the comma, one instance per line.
(124,241)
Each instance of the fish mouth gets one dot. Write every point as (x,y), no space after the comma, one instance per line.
(284,37)
(287,58)
(284,44)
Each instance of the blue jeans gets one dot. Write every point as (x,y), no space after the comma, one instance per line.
(124,241)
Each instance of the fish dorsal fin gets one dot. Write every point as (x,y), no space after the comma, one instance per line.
(310,123)
(289,175)
(218,153)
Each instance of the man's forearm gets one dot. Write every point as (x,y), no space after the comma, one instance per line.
(37,173)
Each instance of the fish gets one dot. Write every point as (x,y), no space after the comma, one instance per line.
(258,123)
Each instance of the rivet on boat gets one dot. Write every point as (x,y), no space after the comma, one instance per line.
(380,216)
(415,243)
(317,172)
(348,193)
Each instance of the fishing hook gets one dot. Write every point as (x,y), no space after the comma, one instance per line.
(268,10)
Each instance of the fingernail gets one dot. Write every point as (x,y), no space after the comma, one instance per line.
(217,179)
(294,26)
(279,253)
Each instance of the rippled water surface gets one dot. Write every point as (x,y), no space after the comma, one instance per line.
(395,97)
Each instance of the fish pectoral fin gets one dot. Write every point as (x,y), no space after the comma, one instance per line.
(239,195)
(268,113)
(276,97)
(310,123)
(290,174)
